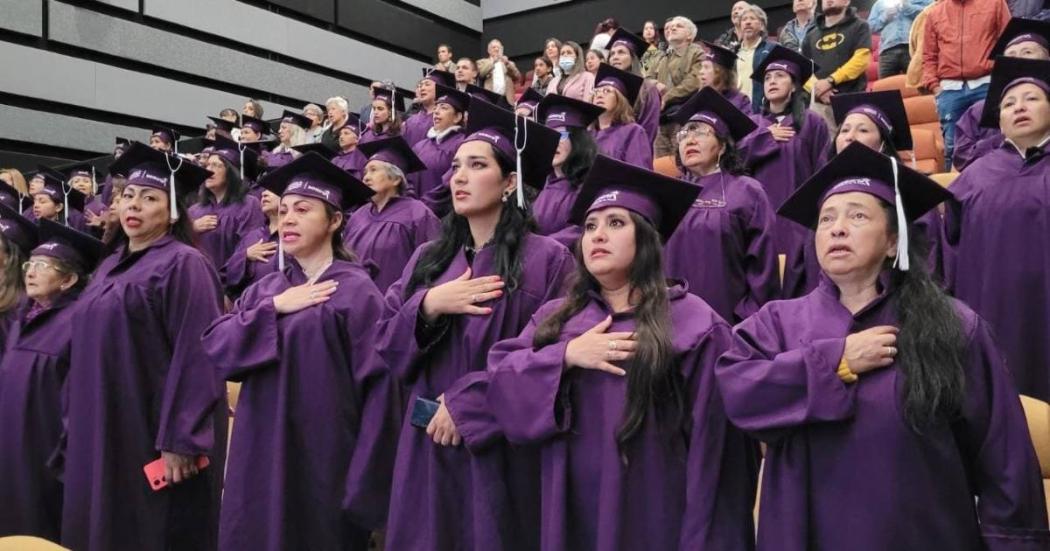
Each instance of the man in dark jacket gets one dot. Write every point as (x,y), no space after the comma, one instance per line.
(840,45)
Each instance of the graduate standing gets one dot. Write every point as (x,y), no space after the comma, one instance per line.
(615,383)
(437,148)
(291,132)
(58,202)
(415,127)
(718,70)
(224,212)
(617,134)
(889,417)
(256,254)
(790,143)
(349,158)
(81,177)
(32,377)
(999,265)
(318,411)
(724,248)
(478,283)
(388,107)
(575,154)
(625,53)
(141,385)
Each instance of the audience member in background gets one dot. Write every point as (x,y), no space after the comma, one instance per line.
(444,59)
(542,74)
(602,33)
(32,375)
(996,230)
(291,131)
(388,108)
(840,46)
(224,212)
(498,73)
(892,21)
(574,81)
(315,113)
(252,108)
(732,36)
(57,202)
(338,109)
(14,178)
(348,157)
(624,51)
(527,103)
(913,77)
(1025,38)
(753,49)
(718,70)
(617,134)
(429,182)
(551,51)
(466,73)
(955,62)
(793,33)
(253,129)
(366,110)
(163,138)
(256,254)
(415,126)
(655,45)
(17,239)
(677,77)
(230,114)
(593,58)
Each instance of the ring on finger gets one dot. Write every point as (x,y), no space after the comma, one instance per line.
(473,299)
(613,345)
(313,294)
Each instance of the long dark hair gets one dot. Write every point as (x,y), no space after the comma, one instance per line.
(653,377)
(235,191)
(888,148)
(339,250)
(580,159)
(11,276)
(796,105)
(931,343)
(181,229)
(455,234)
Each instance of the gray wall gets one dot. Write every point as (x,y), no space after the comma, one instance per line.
(80,72)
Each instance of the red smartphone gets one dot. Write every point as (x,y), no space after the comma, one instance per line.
(155,472)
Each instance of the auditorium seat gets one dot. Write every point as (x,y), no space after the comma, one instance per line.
(873,71)
(928,154)
(666,166)
(896,82)
(945,179)
(28,543)
(1037,412)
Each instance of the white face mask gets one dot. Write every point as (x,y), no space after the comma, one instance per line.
(566,63)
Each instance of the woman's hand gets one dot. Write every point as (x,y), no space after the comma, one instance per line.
(261,251)
(205,223)
(871,349)
(441,427)
(94,220)
(303,296)
(781,133)
(461,296)
(596,349)
(177,467)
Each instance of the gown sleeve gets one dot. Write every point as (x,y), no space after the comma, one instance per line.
(769,389)
(994,437)
(759,147)
(251,218)
(190,300)
(247,338)
(638,148)
(649,112)
(400,341)
(722,465)
(236,274)
(971,141)
(761,264)
(439,198)
(371,470)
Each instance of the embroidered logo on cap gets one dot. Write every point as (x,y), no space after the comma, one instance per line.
(140,174)
(306,186)
(853,182)
(556,117)
(49,246)
(606,197)
(490,137)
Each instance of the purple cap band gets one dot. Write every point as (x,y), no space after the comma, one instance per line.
(80,172)
(453,101)
(716,122)
(15,232)
(310,185)
(501,143)
(873,187)
(254,125)
(61,251)
(149,176)
(564,117)
(52,190)
(389,156)
(234,157)
(875,114)
(614,82)
(1042,85)
(630,200)
(1029,37)
(789,67)
(626,44)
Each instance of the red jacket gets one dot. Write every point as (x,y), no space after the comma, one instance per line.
(959,36)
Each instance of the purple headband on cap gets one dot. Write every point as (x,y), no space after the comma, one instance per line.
(789,67)
(1041,84)
(614,82)
(716,122)
(875,114)
(150,176)
(453,101)
(49,189)
(309,185)
(255,125)
(61,251)
(234,157)
(80,172)
(559,117)
(164,135)
(1029,37)
(626,44)
(501,143)
(630,200)
(876,188)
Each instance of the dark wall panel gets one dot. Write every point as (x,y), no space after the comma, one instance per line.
(405,28)
(323,10)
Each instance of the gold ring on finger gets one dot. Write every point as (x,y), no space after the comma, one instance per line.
(613,345)
(473,299)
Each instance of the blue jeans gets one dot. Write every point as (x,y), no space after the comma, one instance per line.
(951,104)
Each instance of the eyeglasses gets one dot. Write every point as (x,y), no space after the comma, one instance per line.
(38,265)
(603,91)
(694,132)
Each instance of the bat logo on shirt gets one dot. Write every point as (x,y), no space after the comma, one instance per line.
(830,41)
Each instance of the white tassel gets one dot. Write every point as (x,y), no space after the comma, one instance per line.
(65,206)
(94,182)
(520,188)
(241,149)
(280,252)
(901,262)
(174,211)
(393,110)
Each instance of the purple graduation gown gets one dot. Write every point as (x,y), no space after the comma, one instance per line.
(370,135)
(552,208)
(235,221)
(843,470)
(274,160)
(388,238)
(415,127)
(317,415)
(647,109)
(353,162)
(431,185)
(449,497)
(781,167)
(997,236)
(739,100)
(626,142)
(695,490)
(724,246)
(972,141)
(239,272)
(32,374)
(140,383)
